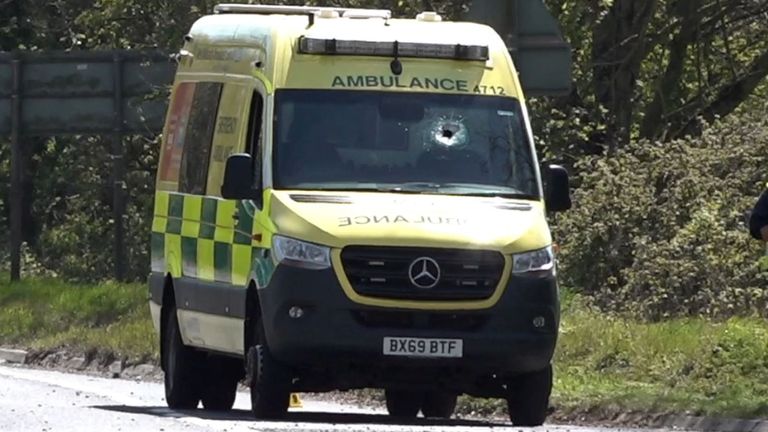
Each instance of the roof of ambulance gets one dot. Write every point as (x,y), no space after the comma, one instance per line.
(244,28)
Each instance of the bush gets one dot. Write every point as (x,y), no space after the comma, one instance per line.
(72,208)
(658,229)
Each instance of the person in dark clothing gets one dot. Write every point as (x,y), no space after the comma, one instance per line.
(758,221)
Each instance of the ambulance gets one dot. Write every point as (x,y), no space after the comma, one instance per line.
(345,200)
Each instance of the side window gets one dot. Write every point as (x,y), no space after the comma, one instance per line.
(230,134)
(174,136)
(199,135)
(254,138)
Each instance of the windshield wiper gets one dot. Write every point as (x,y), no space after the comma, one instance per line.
(418,187)
(406,188)
(371,189)
(469,189)
(499,194)
(480,190)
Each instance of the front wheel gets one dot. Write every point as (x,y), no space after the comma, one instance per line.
(528,397)
(268,379)
(181,365)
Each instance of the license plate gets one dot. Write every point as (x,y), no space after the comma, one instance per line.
(422,347)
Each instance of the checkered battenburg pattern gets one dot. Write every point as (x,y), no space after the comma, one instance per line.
(211,237)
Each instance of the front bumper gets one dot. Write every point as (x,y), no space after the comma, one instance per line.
(336,334)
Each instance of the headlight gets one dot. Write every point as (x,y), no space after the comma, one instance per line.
(300,254)
(538,260)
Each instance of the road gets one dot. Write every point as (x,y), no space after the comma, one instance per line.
(42,401)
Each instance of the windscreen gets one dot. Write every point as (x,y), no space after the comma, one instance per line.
(402,142)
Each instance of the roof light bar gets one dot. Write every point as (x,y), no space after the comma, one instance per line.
(388,49)
(299,10)
(367,13)
(429,17)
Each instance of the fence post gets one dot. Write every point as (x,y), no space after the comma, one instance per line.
(118,170)
(17,172)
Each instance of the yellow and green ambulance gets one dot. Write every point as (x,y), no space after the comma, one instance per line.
(345,200)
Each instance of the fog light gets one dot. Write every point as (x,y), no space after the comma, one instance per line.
(539,322)
(295,312)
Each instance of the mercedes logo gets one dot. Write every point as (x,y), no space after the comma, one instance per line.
(424,273)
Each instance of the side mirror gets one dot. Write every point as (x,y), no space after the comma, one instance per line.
(558,193)
(238,178)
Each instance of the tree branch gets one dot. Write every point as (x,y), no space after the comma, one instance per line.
(730,96)
(620,39)
(668,85)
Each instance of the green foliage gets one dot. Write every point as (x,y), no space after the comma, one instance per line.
(73,206)
(132,335)
(48,313)
(400,8)
(651,68)
(658,229)
(680,365)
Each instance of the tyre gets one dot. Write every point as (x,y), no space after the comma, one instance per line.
(181,365)
(528,398)
(269,381)
(220,386)
(403,403)
(438,404)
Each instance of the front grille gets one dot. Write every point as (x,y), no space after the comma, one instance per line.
(383,272)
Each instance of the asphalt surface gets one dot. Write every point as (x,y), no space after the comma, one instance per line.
(41,401)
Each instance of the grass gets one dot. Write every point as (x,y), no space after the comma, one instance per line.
(686,365)
(47,313)
(694,366)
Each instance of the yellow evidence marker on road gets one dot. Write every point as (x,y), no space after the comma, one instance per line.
(296,401)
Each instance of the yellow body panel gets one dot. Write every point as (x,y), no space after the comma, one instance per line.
(230,45)
(205,260)
(173,255)
(160,221)
(211,331)
(259,52)
(414,220)
(190,223)
(375,219)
